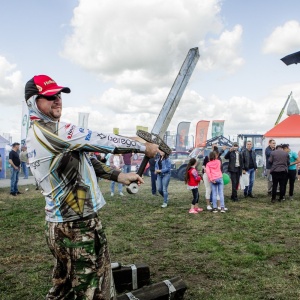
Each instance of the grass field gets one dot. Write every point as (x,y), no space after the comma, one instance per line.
(251,252)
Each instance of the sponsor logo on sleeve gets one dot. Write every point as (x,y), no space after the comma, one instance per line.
(35,164)
(118,140)
(70,132)
(88,137)
(31,154)
(81,130)
(101,136)
(122,140)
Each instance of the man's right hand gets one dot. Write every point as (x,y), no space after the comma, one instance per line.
(151,149)
(127,178)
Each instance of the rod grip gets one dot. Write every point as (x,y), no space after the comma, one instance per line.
(133,187)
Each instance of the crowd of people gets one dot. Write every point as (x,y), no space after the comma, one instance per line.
(281,170)
(64,167)
(281,167)
(160,171)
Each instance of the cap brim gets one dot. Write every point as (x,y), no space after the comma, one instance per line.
(58,89)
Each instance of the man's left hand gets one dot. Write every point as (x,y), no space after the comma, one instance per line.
(127,178)
(151,149)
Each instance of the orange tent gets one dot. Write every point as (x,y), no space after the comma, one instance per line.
(286,132)
(289,127)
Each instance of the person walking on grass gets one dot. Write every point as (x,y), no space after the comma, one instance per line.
(292,169)
(268,151)
(235,166)
(116,162)
(250,167)
(163,171)
(24,161)
(206,180)
(14,161)
(192,179)
(60,163)
(215,176)
(127,157)
(153,175)
(279,161)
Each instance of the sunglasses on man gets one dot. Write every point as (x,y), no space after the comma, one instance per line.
(49,98)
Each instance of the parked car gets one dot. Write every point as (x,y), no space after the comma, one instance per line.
(136,161)
(198,153)
(178,165)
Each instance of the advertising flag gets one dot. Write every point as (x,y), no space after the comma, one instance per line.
(139,127)
(25,122)
(83,120)
(217,128)
(182,136)
(201,133)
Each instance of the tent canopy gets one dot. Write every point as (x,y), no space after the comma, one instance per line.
(287,128)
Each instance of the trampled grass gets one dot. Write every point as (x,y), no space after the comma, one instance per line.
(251,252)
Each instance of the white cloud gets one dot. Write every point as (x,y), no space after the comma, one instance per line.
(11,86)
(125,110)
(141,44)
(222,53)
(283,39)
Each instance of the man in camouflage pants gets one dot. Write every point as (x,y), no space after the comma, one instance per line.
(58,159)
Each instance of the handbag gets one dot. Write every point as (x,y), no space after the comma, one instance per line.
(244,181)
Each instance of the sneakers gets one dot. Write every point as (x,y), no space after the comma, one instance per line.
(121,194)
(164,205)
(198,209)
(291,198)
(251,196)
(208,207)
(214,210)
(112,194)
(225,208)
(193,211)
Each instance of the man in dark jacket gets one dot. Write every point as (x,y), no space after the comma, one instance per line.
(269,149)
(235,166)
(152,162)
(279,161)
(250,167)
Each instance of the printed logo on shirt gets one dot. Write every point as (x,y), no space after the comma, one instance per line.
(122,140)
(101,136)
(31,154)
(35,164)
(24,120)
(70,132)
(88,137)
(89,162)
(81,130)
(67,126)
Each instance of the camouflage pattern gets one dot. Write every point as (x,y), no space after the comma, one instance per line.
(82,264)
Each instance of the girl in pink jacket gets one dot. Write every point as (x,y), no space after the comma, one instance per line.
(192,179)
(213,171)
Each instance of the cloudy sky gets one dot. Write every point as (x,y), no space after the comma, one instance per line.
(121,57)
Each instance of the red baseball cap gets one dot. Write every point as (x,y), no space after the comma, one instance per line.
(43,85)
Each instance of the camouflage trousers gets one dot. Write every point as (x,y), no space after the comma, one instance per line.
(82,269)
